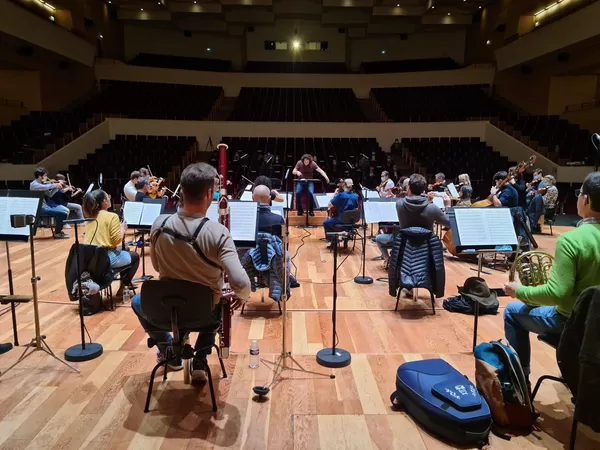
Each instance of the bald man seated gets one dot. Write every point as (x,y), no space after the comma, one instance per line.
(269,222)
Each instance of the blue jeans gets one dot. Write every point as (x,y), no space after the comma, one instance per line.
(520,320)
(535,210)
(76,209)
(300,188)
(160,333)
(385,242)
(329,225)
(60,213)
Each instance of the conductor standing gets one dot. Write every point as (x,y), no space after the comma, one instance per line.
(305,169)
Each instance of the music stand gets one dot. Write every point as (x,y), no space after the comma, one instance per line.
(477,231)
(18,223)
(310,196)
(140,216)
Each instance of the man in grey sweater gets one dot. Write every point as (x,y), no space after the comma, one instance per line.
(415,210)
(205,262)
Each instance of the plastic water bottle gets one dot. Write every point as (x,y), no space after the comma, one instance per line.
(254,355)
(126,295)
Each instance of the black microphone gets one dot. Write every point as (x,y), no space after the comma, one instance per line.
(89,219)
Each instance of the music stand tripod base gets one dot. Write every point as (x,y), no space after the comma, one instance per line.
(363,280)
(334,359)
(77,353)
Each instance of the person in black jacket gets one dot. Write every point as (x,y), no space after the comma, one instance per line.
(520,185)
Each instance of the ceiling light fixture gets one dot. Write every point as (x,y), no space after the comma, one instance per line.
(295,45)
(432,6)
(448,13)
(488,42)
(537,24)
(383,52)
(398,5)
(141,9)
(207,48)
(479,6)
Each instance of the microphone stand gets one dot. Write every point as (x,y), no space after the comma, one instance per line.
(363,279)
(281,365)
(334,357)
(81,352)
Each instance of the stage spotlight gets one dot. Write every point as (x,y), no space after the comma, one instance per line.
(296,45)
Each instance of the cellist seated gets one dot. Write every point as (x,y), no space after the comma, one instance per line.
(344,201)
(508,196)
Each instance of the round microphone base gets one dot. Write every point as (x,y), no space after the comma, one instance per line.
(261,391)
(335,360)
(363,280)
(77,353)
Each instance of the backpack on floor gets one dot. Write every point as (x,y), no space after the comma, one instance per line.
(501,380)
(443,401)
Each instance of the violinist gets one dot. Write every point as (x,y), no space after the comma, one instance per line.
(545,197)
(144,173)
(508,196)
(439,185)
(386,185)
(64,196)
(142,190)
(49,208)
(129,190)
(372,181)
(465,191)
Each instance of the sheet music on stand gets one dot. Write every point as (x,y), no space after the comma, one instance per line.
(481,229)
(439,202)
(140,214)
(370,194)
(246,196)
(16,202)
(323,200)
(89,189)
(288,198)
(452,190)
(278,209)
(243,221)
(379,212)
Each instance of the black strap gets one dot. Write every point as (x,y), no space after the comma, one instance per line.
(190,240)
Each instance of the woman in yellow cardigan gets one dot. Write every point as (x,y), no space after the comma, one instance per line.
(107,231)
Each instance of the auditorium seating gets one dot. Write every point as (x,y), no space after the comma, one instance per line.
(126,153)
(553,137)
(409,65)
(295,67)
(436,103)
(453,156)
(339,157)
(297,105)
(31,138)
(181,62)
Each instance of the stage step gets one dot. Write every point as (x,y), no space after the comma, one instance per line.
(316,220)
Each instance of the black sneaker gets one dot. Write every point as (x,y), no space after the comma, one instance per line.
(61,236)
(295,284)
(312,214)
(300,214)
(174,365)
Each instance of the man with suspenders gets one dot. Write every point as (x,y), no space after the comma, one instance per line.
(188,246)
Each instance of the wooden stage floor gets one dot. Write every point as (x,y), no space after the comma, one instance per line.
(43,405)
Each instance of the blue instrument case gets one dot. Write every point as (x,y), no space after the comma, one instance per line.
(443,401)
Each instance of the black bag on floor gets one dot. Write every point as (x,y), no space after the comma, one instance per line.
(443,401)
(92,304)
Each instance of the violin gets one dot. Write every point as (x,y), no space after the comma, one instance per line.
(433,186)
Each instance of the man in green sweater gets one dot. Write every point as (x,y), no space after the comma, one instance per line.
(546,308)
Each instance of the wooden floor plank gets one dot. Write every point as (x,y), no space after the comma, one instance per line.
(43,405)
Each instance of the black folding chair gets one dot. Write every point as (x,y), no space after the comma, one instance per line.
(181,307)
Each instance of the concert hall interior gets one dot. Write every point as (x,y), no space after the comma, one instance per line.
(337,224)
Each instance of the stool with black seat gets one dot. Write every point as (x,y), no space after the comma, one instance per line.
(181,307)
(350,225)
